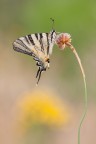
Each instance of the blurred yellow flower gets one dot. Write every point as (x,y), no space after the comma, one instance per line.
(42,108)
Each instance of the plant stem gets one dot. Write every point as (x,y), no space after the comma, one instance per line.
(85,111)
(85,89)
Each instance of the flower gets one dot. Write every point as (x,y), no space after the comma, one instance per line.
(42,109)
(63,40)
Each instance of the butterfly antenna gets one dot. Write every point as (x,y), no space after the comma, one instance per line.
(52,22)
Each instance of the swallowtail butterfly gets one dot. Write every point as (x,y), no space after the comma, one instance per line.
(40,45)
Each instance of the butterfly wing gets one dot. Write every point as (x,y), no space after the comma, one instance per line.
(38,46)
(33,46)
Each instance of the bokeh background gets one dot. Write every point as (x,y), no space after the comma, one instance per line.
(63,81)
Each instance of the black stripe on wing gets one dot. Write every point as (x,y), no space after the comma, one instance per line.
(21,43)
(36,35)
(26,39)
(31,39)
(52,34)
(41,42)
(47,43)
(20,46)
(22,51)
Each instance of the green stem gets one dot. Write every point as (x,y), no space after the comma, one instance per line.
(85,88)
(85,111)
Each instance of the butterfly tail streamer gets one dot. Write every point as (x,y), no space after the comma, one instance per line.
(85,91)
(39,76)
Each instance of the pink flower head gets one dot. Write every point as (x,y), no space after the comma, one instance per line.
(63,40)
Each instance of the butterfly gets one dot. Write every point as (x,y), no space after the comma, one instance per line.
(40,46)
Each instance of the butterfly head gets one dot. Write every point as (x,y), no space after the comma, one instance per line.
(63,40)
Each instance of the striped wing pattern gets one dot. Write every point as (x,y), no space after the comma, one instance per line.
(39,46)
